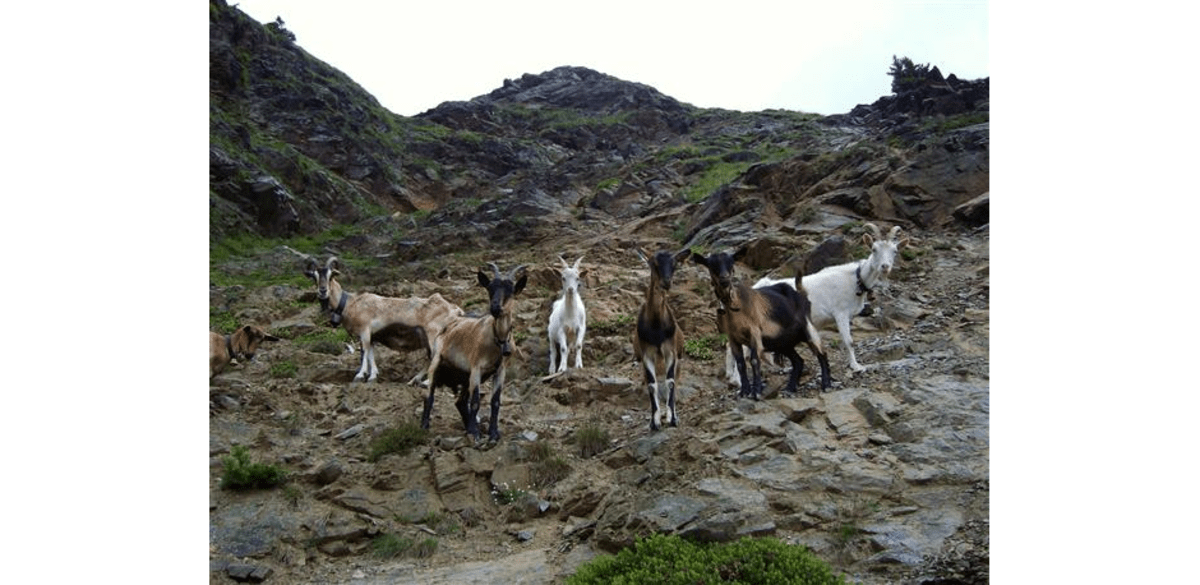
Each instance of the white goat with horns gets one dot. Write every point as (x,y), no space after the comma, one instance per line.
(838,293)
(568,318)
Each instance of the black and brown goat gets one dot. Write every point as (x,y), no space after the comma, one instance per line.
(240,344)
(470,350)
(774,318)
(658,338)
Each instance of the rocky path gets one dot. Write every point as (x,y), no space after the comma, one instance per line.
(885,476)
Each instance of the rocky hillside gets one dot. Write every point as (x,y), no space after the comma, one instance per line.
(885,475)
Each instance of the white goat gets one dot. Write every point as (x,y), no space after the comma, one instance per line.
(838,293)
(567,319)
(401,324)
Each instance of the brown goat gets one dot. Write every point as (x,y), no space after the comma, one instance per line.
(774,318)
(241,344)
(401,324)
(470,350)
(658,338)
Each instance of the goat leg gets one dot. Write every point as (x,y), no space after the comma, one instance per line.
(461,404)
(671,419)
(428,406)
(494,422)
(740,361)
(797,370)
(823,360)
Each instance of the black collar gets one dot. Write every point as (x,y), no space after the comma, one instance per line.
(335,317)
(862,286)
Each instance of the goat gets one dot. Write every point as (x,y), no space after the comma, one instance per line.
(838,293)
(774,318)
(240,344)
(469,350)
(658,337)
(567,319)
(401,324)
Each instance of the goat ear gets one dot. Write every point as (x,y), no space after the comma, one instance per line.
(740,253)
(868,240)
(484,279)
(520,286)
(700,259)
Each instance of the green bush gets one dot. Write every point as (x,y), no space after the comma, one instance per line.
(389,546)
(284,369)
(397,440)
(592,440)
(705,348)
(241,474)
(672,560)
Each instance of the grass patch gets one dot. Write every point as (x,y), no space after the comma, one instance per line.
(390,546)
(619,324)
(284,369)
(242,474)
(673,560)
(324,340)
(705,348)
(592,440)
(399,440)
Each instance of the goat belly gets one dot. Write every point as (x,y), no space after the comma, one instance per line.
(452,376)
(655,336)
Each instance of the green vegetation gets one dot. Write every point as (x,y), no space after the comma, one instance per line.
(284,369)
(242,474)
(390,546)
(592,440)
(547,468)
(705,348)
(400,440)
(324,340)
(618,325)
(673,560)
(907,75)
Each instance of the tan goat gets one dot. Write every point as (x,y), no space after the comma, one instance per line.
(470,350)
(401,324)
(240,344)
(658,338)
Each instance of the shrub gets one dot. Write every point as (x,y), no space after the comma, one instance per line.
(241,474)
(397,440)
(674,560)
(592,440)
(704,348)
(619,324)
(389,546)
(549,471)
(907,75)
(284,369)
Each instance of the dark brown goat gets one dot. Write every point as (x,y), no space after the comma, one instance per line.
(774,318)
(470,350)
(658,338)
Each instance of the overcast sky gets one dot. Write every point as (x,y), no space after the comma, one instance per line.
(821,57)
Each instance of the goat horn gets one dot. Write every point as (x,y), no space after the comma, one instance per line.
(331,261)
(515,271)
(495,270)
(895,231)
(874,229)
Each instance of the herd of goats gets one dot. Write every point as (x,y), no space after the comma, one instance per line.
(465,351)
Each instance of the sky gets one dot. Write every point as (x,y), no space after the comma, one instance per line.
(817,57)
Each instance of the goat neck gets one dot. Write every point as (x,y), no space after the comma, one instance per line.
(501,292)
